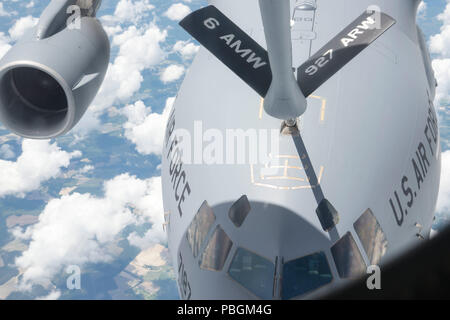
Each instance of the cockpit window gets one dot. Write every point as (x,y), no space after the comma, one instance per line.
(199,227)
(348,259)
(372,236)
(304,275)
(253,272)
(239,211)
(217,250)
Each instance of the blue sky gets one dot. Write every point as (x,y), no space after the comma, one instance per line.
(429,24)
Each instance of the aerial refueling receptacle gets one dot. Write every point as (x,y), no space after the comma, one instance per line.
(49,78)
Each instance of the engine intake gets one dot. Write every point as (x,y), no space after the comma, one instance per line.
(50,77)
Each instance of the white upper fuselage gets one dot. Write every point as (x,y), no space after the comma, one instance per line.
(365,129)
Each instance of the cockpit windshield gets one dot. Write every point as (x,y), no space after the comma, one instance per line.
(253,272)
(304,275)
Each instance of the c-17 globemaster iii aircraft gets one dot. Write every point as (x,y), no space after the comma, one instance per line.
(348,87)
(302,149)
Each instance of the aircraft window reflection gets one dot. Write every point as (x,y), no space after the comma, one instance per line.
(199,227)
(253,272)
(372,236)
(348,259)
(305,275)
(239,211)
(216,252)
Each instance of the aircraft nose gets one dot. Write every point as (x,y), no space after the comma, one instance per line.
(274,243)
(257,250)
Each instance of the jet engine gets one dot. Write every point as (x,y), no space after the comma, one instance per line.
(50,77)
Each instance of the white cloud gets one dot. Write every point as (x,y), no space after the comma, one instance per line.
(77,229)
(112,30)
(21,26)
(39,162)
(54,295)
(443,203)
(172,73)
(139,49)
(440,45)
(129,11)
(30,5)
(4,44)
(146,129)
(177,11)
(442,74)
(186,49)
(89,122)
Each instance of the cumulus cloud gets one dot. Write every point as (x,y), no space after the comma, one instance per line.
(442,74)
(139,49)
(443,204)
(112,30)
(186,49)
(4,44)
(39,162)
(129,11)
(146,129)
(172,73)
(138,44)
(440,45)
(177,11)
(54,295)
(21,26)
(30,4)
(76,229)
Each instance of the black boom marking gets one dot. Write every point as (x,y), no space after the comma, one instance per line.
(237,50)
(248,60)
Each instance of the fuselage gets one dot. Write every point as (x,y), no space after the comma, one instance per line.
(238,230)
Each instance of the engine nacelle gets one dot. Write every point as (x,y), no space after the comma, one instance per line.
(50,77)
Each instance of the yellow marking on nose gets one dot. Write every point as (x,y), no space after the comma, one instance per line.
(261,109)
(322,111)
(323,107)
(286,164)
(320,173)
(252,176)
(284,178)
(288,157)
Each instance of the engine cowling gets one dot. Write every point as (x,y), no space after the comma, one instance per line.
(50,77)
